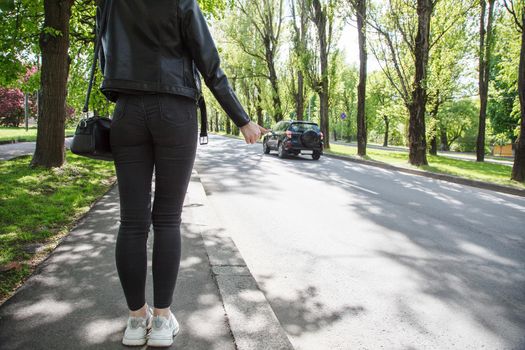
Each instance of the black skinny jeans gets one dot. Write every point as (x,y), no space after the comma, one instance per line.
(151,131)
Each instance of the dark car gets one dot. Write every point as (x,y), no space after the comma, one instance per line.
(289,137)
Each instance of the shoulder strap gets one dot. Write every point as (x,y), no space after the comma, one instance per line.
(97,49)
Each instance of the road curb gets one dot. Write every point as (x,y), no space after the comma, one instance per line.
(444,177)
(253,324)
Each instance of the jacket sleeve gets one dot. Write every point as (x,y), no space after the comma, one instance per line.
(197,38)
(101,57)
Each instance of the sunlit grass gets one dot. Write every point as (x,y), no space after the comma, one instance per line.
(39,205)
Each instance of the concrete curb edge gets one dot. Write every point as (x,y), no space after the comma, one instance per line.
(252,321)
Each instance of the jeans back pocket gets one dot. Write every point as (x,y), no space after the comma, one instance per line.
(120,108)
(177,110)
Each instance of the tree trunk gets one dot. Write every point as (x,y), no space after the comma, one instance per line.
(258,107)
(433,115)
(416,131)
(518,169)
(433,143)
(50,151)
(228,126)
(299,46)
(322,89)
(273,81)
(484,70)
(385,141)
(217,126)
(299,102)
(444,138)
(361,88)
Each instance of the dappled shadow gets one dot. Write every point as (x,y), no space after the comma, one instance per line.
(300,311)
(467,245)
(74,299)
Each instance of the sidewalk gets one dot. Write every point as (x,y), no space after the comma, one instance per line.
(12,150)
(74,299)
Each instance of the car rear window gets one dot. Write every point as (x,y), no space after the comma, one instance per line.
(302,127)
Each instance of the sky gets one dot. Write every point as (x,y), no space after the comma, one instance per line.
(348,42)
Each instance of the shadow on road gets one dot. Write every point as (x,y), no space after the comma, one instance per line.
(473,240)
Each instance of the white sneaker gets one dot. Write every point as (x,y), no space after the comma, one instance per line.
(163,330)
(137,329)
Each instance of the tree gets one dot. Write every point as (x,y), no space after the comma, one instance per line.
(518,168)
(266,19)
(485,49)
(384,109)
(405,40)
(360,11)
(299,46)
(321,13)
(457,122)
(417,45)
(54,45)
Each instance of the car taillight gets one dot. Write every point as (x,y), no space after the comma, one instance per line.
(321,133)
(288,134)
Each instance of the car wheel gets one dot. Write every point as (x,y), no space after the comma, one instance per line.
(280,150)
(266,149)
(316,155)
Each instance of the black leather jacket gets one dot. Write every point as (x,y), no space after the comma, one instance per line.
(161,46)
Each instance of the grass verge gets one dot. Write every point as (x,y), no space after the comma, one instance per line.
(38,207)
(21,135)
(484,171)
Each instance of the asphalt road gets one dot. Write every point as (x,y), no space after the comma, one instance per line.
(357,257)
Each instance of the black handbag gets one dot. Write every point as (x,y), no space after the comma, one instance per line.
(92,134)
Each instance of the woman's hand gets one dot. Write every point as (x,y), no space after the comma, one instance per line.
(252,132)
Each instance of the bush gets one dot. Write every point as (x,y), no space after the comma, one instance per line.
(11,107)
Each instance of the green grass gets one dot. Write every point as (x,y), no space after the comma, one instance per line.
(20,134)
(488,172)
(39,206)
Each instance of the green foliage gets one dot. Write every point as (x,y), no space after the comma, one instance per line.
(452,69)
(7,5)
(459,119)
(503,107)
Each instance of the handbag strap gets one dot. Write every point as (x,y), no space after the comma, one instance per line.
(98,41)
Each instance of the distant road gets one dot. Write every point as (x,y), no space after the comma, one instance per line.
(457,155)
(12,150)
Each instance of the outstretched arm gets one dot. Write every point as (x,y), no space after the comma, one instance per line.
(196,35)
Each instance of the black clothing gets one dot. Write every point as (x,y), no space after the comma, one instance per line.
(162,46)
(132,92)
(154,132)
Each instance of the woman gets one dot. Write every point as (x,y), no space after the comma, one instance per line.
(151,51)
